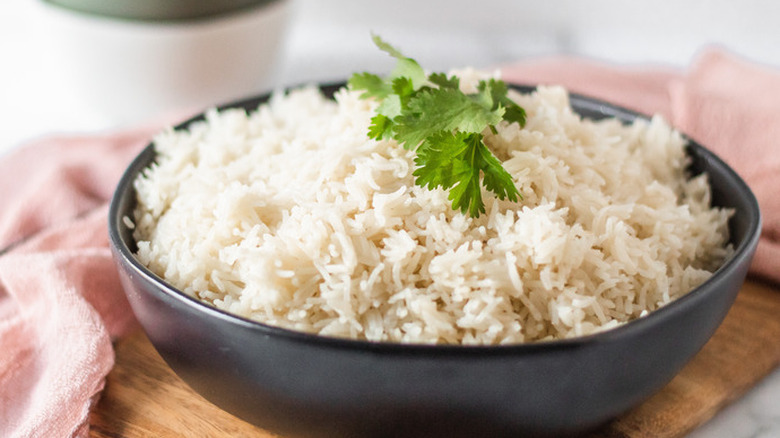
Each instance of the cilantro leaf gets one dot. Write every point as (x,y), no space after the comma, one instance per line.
(410,69)
(386,47)
(404,67)
(494,93)
(431,115)
(466,196)
(454,161)
(495,177)
(443,81)
(381,127)
(436,160)
(391,107)
(447,161)
(371,85)
(437,109)
(404,88)
(514,114)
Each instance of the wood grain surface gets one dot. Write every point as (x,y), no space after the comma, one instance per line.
(144,398)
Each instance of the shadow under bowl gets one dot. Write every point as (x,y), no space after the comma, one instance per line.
(299,384)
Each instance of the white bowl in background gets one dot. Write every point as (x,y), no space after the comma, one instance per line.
(133,70)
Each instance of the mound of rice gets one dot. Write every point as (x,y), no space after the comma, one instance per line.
(292,216)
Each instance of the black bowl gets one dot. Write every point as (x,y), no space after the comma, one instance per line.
(299,384)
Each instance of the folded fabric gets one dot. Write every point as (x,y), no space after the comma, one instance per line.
(61,304)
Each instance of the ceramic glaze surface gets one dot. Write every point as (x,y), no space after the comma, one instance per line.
(306,385)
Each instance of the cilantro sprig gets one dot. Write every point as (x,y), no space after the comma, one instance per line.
(431,115)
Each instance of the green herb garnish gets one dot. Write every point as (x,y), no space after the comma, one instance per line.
(429,114)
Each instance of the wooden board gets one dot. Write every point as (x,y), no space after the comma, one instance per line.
(144,398)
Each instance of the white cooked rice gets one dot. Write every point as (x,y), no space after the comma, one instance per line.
(292,216)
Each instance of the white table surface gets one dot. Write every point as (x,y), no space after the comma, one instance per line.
(329,40)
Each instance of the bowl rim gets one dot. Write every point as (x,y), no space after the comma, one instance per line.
(742,254)
(150,11)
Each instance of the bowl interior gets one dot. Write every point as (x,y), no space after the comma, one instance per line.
(728,190)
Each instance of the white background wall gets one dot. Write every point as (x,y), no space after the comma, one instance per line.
(334,34)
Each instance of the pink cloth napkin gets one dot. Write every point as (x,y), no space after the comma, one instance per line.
(61,304)
(60,299)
